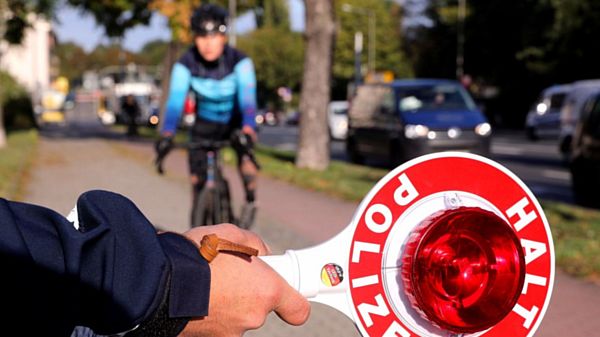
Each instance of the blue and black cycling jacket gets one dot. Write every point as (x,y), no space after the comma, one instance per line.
(222,88)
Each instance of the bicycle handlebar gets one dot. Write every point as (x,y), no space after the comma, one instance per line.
(207,144)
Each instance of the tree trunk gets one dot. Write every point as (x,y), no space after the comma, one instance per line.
(313,151)
(2,129)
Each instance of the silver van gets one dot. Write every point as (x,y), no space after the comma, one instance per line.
(571,110)
(543,119)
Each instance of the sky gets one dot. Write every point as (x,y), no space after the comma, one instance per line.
(73,26)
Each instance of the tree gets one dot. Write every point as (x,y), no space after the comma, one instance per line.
(116,16)
(15,16)
(154,52)
(313,151)
(73,60)
(277,55)
(354,16)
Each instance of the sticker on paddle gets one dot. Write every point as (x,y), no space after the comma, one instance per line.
(445,244)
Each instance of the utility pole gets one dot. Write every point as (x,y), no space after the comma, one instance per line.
(372,33)
(232,15)
(460,43)
(358,47)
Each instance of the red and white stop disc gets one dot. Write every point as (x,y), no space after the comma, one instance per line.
(404,199)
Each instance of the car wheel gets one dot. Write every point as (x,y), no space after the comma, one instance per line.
(584,183)
(353,154)
(396,156)
(531,134)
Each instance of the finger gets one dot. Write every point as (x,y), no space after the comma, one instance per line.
(293,308)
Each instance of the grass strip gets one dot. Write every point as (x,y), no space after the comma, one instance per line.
(15,163)
(576,233)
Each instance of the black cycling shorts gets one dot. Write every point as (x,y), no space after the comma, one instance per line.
(204,130)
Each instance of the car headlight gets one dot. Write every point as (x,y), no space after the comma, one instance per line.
(415,131)
(541,108)
(483,129)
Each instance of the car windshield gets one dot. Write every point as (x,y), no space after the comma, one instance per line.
(434,97)
(340,111)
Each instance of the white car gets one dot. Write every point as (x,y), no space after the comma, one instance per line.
(337,118)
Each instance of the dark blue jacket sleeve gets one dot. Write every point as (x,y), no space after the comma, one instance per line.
(111,274)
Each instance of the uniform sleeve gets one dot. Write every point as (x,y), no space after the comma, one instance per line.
(246,83)
(178,90)
(111,274)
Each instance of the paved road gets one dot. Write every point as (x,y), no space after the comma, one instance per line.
(84,156)
(538,164)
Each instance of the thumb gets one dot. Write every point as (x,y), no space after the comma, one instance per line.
(293,308)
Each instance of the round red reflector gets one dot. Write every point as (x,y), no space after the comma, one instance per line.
(463,269)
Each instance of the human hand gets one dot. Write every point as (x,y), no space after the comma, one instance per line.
(248,130)
(243,292)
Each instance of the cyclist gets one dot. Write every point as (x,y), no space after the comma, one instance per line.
(224,84)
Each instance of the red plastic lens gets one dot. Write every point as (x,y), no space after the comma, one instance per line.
(464,269)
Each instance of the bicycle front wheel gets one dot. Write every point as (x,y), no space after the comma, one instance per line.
(202,211)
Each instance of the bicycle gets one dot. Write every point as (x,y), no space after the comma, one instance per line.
(212,202)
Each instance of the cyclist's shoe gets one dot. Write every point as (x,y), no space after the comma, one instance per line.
(162,148)
(248,214)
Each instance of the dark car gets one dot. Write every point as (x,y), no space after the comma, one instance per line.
(407,118)
(585,164)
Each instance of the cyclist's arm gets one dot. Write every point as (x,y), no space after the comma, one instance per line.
(178,90)
(246,94)
(107,269)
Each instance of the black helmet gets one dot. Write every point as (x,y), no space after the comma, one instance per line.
(209,19)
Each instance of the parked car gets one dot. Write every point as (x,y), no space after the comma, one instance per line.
(407,118)
(543,119)
(585,164)
(569,114)
(337,119)
(293,118)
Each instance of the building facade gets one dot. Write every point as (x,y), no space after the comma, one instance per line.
(29,63)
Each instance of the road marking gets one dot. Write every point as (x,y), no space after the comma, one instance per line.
(556,174)
(507,150)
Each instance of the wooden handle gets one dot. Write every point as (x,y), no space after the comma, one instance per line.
(211,245)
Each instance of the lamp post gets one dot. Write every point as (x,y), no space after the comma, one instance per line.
(232,15)
(460,41)
(372,25)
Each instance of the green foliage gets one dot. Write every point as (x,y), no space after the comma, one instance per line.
(154,52)
(116,16)
(17,157)
(388,40)
(10,88)
(274,13)
(278,56)
(16,15)
(16,104)
(516,46)
(73,60)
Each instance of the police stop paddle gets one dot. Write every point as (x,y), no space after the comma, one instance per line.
(445,244)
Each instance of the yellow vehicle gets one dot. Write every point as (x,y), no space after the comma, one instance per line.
(53,103)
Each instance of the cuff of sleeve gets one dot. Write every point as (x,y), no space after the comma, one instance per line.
(190,277)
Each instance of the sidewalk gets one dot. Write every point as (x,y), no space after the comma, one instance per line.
(288,218)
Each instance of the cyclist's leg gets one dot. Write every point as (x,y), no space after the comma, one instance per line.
(248,172)
(197,162)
